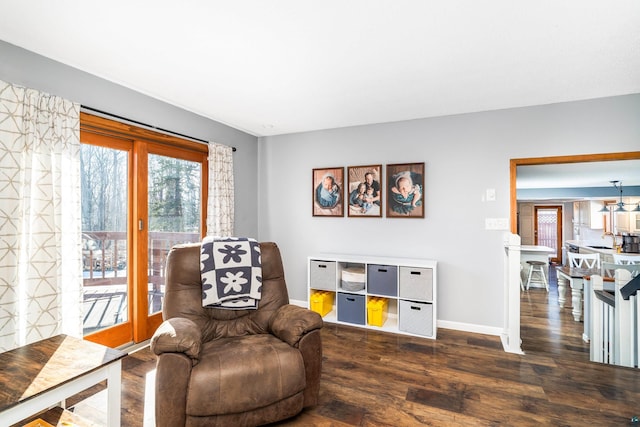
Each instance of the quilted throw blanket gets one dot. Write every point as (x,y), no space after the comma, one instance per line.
(231,273)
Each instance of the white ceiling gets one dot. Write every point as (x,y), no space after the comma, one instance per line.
(283,66)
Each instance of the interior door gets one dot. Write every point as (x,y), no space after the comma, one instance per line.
(548,229)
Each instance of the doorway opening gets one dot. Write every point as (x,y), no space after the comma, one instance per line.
(512,308)
(548,229)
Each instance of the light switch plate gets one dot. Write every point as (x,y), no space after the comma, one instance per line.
(502,223)
(490,195)
(496,223)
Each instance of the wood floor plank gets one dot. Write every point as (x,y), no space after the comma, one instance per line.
(373,378)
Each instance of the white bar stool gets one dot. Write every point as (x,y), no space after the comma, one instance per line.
(536,268)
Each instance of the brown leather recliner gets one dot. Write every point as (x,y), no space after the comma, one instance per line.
(221,367)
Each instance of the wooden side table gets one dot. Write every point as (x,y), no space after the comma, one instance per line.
(40,375)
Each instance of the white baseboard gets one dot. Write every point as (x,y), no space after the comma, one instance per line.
(445,324)
(508,348)
(300,303)
(468,327)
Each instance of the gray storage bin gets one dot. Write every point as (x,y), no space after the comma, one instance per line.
(351,308)
(322,275)
(416,283)
(416,317)
(382,279)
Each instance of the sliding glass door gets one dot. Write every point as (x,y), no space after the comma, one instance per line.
(175,214)
(141,195)
(105,255)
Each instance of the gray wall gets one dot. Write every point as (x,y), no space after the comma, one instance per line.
(465,155)
(22,67)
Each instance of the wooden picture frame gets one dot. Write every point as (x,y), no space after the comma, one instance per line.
(405,190)
(327,192)
(363,195)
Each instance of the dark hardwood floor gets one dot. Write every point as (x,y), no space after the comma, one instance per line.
(461,379)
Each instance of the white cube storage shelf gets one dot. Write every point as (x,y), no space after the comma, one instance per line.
(409,285)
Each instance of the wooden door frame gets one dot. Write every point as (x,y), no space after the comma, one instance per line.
(530,161)
(559,211)
(512,304)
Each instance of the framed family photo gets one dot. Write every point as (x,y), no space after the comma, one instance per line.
(327,191)
(405,190)
(364,192)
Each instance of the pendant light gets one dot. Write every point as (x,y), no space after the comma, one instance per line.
(620,205)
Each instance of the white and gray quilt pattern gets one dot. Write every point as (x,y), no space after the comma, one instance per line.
(231,272)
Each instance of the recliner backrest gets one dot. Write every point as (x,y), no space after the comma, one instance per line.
(183,294)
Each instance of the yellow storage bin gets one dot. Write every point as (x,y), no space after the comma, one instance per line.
(321,302)
(377,311)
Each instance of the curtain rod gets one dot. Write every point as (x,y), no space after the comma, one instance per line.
(115,116)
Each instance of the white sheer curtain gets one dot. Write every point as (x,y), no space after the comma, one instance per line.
(40,226)
(220,212)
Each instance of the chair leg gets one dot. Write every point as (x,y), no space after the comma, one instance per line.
(544,278)
(530,276)
(539,270)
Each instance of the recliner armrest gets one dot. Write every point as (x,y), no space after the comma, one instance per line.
(177,335)
(291,322)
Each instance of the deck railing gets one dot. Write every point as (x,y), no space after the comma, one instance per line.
(105,274)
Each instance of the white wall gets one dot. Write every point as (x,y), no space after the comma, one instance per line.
(464,155)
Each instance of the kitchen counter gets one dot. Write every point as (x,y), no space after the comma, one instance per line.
(537,248)
(597,246)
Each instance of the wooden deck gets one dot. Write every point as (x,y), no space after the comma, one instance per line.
(105,275)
